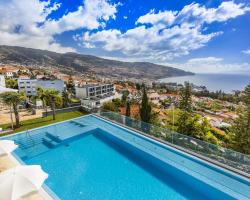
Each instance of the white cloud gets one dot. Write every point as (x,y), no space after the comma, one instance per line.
(172,33)
(25,23)
(206,60)
(147,43)
(166,17)
(89,16)
(247,51)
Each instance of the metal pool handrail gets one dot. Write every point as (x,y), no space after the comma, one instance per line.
(234,161)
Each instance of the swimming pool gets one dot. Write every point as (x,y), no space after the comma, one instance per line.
(92,158)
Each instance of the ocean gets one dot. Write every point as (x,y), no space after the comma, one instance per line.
(214,82)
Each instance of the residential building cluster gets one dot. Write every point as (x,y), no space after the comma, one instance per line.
(91,92)
(94,90)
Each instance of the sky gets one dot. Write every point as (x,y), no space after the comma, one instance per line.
(208,36)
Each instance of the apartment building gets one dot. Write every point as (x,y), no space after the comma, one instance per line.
(94,95)
(94,90)
(29,86)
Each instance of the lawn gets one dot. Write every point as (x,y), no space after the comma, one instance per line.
(34,123)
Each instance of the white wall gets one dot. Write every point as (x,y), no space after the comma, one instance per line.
(81,93)
(2,81)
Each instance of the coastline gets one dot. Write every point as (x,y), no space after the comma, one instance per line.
(213,82)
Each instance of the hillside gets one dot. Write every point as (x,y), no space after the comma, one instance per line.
(86,63)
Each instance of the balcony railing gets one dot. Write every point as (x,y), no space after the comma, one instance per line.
(232,160)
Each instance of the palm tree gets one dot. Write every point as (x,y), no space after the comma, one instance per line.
(13,99)
(51,95)
(65,98)
(42,95)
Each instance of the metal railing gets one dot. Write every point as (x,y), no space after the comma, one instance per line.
(232,160)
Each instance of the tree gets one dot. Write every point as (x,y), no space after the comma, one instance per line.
(13,99)
(109,106)
(42,95)
(71,85)
(118,103)
(185,98)
(241,126)
(125,96)
(11,83)
(128,109)
(145,108)
(52,97)
(32,75)
(65,98)
(188,124)
(138,86)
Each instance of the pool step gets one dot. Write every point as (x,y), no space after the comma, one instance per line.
(51,140)
(77,123)
(49,143)
(53,137)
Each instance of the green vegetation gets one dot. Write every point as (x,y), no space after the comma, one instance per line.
(13,99)
(70,86)
(109,106)
(11,83)
(74,100)
(235,98)
(41,95)
(241,127)
(192,124)
(138,86)
(125,96)
(128,109)
(34,123)
(185,98)
(145,108)
(53,99)
(216,106)
(65,98)
(113,105)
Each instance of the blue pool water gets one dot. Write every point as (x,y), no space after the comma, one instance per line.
(90,158)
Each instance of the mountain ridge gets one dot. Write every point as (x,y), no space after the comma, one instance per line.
(86,63)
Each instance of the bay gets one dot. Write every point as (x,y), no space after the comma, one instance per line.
(214,82)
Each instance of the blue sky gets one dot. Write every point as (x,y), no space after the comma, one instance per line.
(209,36)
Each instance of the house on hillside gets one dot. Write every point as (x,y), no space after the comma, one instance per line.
(154,97)
(94,95)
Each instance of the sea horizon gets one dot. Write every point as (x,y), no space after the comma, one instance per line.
(225,82)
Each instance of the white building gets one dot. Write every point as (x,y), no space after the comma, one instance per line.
(94,90)
(94,95)
(2,81)
(154,97)
(96,102)
(29,86)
